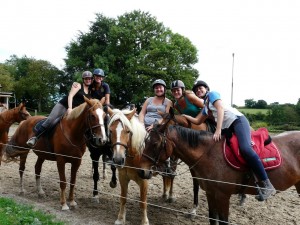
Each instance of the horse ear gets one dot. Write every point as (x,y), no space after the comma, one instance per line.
(130,115)
(102,101)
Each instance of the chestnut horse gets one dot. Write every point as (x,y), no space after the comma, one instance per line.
(7,118)
(66,143)
(127,138)
(205,157)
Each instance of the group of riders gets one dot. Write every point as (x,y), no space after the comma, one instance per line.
(198,106)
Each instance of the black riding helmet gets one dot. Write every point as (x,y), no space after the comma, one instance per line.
(200,83)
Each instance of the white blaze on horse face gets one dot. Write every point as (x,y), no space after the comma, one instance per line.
(101,123)
(119,132)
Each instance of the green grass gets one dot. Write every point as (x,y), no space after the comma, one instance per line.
(12,213)
(253,111)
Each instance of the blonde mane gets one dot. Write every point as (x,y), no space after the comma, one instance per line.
(76,112)
(138,130)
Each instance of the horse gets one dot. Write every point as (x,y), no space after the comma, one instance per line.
(96,152)
(66,143)
(204,156)
(127,137)
(7,118)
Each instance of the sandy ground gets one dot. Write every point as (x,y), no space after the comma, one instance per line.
(281,209)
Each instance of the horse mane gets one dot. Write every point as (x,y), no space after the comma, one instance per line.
(190,136)
(76,112)
(138,130)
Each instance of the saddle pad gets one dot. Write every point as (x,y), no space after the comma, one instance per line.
(38,125)
(267,152)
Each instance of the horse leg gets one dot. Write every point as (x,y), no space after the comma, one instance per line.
(196,187)
(113,182)
(218,206)
(143,196)
(74,169)
(124,181)
(297,185)
(22,167)
(168,189)
(95,156)
(62,178)
(38,169)
(104,159)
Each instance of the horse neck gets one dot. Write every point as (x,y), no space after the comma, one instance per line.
(76,126)
(8,117)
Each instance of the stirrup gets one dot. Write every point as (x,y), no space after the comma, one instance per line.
(32,142)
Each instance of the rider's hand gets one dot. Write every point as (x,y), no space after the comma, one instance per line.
(217,135)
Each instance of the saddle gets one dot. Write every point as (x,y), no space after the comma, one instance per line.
(262,145)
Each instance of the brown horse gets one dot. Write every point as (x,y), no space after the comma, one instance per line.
(7,118)
(66,143)
(127,137)
(204,156)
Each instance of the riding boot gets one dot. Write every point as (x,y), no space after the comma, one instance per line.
(168,169)
(33,140)
(267,191)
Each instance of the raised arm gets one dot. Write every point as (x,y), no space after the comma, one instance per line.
(73,91)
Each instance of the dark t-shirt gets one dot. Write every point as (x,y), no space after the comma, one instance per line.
(77,99)
(101,92)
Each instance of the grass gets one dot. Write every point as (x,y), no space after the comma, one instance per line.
(253,111)
(12,213)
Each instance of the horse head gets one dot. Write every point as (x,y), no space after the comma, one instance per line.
(158,149)
(95,120)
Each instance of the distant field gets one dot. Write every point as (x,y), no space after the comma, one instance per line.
(253,111)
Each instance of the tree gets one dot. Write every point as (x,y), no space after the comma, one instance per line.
(261,104)
(6,79)
(134,50)
(250,103)
(37,81)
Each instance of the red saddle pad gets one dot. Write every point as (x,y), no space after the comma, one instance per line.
(269,154)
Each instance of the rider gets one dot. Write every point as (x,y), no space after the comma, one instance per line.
(186,102)
(65,105)
(149,112)
(228,117)
(99,88)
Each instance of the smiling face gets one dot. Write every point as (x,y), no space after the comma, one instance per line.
(177,92)
(159,90)
(200,91)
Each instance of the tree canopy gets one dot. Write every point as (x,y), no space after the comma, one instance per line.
(134,50)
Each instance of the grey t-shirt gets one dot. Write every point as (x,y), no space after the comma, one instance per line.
(152,112)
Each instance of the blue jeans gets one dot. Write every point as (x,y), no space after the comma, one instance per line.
(242,131)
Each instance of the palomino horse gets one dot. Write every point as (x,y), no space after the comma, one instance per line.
(66,143)
(7,118)
(127,138)
(205,157)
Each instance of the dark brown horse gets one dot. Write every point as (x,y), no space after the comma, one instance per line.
(7,118)
(127,138)
(66,143)
(204,156)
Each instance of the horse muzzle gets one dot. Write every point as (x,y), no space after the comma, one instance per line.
(145,174)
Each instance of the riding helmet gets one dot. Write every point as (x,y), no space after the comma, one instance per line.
(99,72)
(86,74)
(177,84)
(200,83)
(159,81)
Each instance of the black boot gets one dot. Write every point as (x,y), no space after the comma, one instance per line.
(33,140)
(168,169)
(267,191)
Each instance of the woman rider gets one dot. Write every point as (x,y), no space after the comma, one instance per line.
(228,117)
(65,105)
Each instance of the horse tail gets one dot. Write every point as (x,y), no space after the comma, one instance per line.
(11,152)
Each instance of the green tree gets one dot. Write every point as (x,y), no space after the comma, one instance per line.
(134,50)
(250,103)
(6,79)
(261,104)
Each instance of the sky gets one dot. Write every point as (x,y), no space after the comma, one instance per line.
(253,44)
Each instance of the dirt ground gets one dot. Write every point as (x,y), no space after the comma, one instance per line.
(281,209)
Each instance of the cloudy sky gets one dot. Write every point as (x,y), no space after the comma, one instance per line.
(264,36)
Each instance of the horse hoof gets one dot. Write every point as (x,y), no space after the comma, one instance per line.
(112,184)
(192,214)
(171,200)
(119,222)
(95,199)
(164,197)
(65,207)
(73,204)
